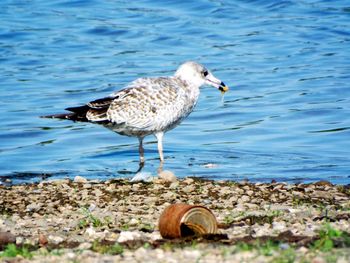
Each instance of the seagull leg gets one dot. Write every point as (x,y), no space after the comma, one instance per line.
(160,168)
(141,151)
(159,136)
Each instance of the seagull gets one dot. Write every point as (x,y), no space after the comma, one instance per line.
(148,105)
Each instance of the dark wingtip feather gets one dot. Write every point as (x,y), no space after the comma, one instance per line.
(97,107)
(79,109)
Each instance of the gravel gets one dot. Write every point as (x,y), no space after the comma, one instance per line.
(117,220)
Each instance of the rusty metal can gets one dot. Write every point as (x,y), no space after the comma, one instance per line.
(181,220)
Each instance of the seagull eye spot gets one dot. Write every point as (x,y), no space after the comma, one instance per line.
(205,73)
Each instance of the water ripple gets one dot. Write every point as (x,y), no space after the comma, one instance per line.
(287,64)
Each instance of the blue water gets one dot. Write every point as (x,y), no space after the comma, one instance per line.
(286,116)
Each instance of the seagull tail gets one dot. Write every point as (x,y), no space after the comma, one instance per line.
(75,114)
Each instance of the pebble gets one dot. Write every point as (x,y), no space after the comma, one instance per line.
(91,232)
(191,255)
(243,199)
(174,185)
(302,250)
(87,186)
(33,207)
(167,176)
(140,254)
(19,240)
(169,196)
(251,206)
(318,260)
(59,182)
(279,226)
(250,193)
(189,188)
(188,181)
(133,222)
(6,238)
(55,240)
(79,179)
(233,199)
(84,246)
(128,236)
(43,240)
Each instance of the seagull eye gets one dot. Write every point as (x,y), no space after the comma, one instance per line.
(205,73)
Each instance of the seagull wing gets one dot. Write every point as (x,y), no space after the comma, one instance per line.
(139,106)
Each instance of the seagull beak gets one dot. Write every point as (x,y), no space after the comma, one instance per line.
(211,80)
(222,87)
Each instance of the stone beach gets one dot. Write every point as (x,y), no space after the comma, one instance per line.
(84,220)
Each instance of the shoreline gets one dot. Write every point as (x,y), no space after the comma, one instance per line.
(117,221)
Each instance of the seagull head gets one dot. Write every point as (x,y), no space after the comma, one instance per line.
(197,75)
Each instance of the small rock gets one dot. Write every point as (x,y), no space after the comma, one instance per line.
(233,199)
(33,207)
(343,260)
(80,179)
(90,232)
(112,237)
(140,253)
(302,250)
(167,176)
(136,187)
(19,240)
(174,185)
(191,255)
(155,236)
(297,194)
(318,260)
(323,183)
(6,238)
(251,206)
(84,246)
(206,201)
(55,239)
(284,246)
(188,181)
(159,254)
(319,194)
(169,196)
(128,236)
(43,240)
(133,222)
(188,188)
(59,182)
(243,199)
(261,230)
(279,226)
(71,255)
(250,193)
(240,207)
(92,207)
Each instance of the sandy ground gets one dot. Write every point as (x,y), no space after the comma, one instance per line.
(117,221)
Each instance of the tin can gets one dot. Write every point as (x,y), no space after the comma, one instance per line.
(182,220)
